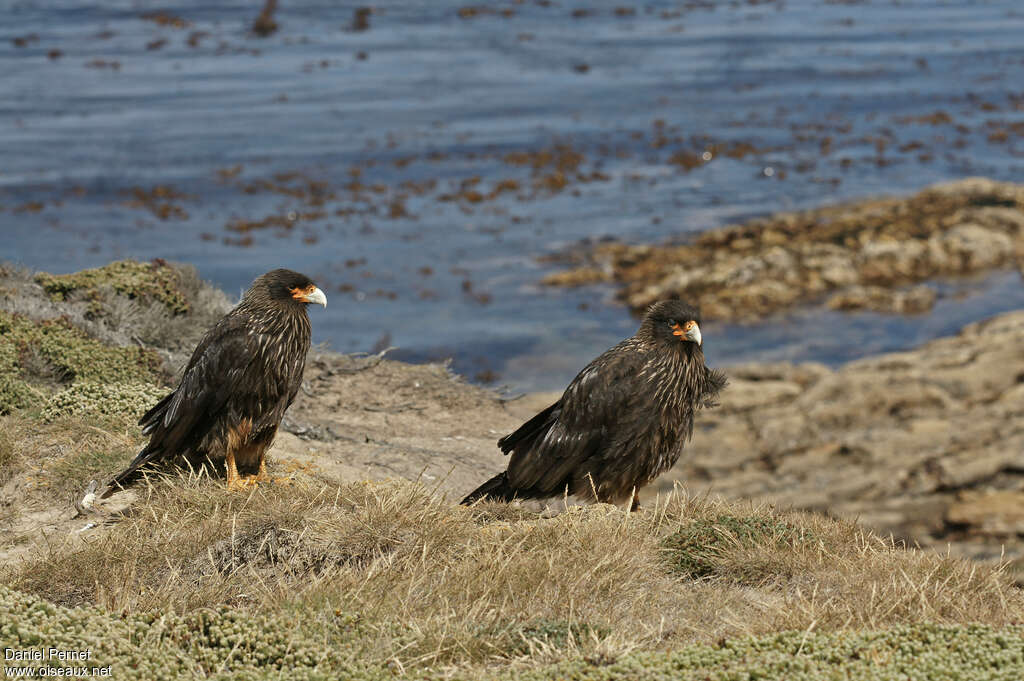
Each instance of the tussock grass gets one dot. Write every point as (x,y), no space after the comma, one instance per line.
(438,586)
(707,546)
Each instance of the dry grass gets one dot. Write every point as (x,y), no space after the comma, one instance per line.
(436,584)
(8,456)
(58,459)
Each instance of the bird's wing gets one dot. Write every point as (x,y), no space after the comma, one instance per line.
(526,435)
(178,422)
(218,366)
(572,430)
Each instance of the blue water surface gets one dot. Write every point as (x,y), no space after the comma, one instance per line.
(419,159)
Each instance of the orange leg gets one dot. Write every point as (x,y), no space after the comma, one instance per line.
(235,481)
(262,475)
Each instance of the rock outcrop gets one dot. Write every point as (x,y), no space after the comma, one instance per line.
(926,444)
(862,255)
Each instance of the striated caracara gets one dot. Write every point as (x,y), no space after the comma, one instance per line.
(242,376)
(621,422)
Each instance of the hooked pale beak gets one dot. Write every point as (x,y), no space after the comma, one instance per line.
(310,295)
(689,331)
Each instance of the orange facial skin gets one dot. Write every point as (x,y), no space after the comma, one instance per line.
(303,293)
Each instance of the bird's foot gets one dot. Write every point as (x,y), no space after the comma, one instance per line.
(242,484)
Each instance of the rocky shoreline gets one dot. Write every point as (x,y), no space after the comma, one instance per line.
(873,255)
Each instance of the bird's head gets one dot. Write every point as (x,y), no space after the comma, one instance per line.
(286,286)
(673,321)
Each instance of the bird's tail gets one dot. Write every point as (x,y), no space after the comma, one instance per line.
(497,489)
(129,474)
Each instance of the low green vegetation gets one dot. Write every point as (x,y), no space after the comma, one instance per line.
(15,393)
(924,652)
(90,399)
(150,282)
(219,643)
(700,547)
(57,347)
(35,354)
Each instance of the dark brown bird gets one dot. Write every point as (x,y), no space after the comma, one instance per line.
(242,376)
(621,422)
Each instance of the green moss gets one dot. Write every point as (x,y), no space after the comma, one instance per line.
(153,282)
(92,399)
(695,550)
(71,354)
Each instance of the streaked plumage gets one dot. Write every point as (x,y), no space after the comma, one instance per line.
(240,380)
(621,422)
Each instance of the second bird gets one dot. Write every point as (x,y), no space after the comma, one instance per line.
(621,422)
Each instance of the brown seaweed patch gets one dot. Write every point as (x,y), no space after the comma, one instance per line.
(166,19)
(284,222)
(160,201)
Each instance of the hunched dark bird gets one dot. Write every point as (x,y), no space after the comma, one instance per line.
(241,378)
(621,422)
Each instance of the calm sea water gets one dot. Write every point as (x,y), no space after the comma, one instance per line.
(420,158)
